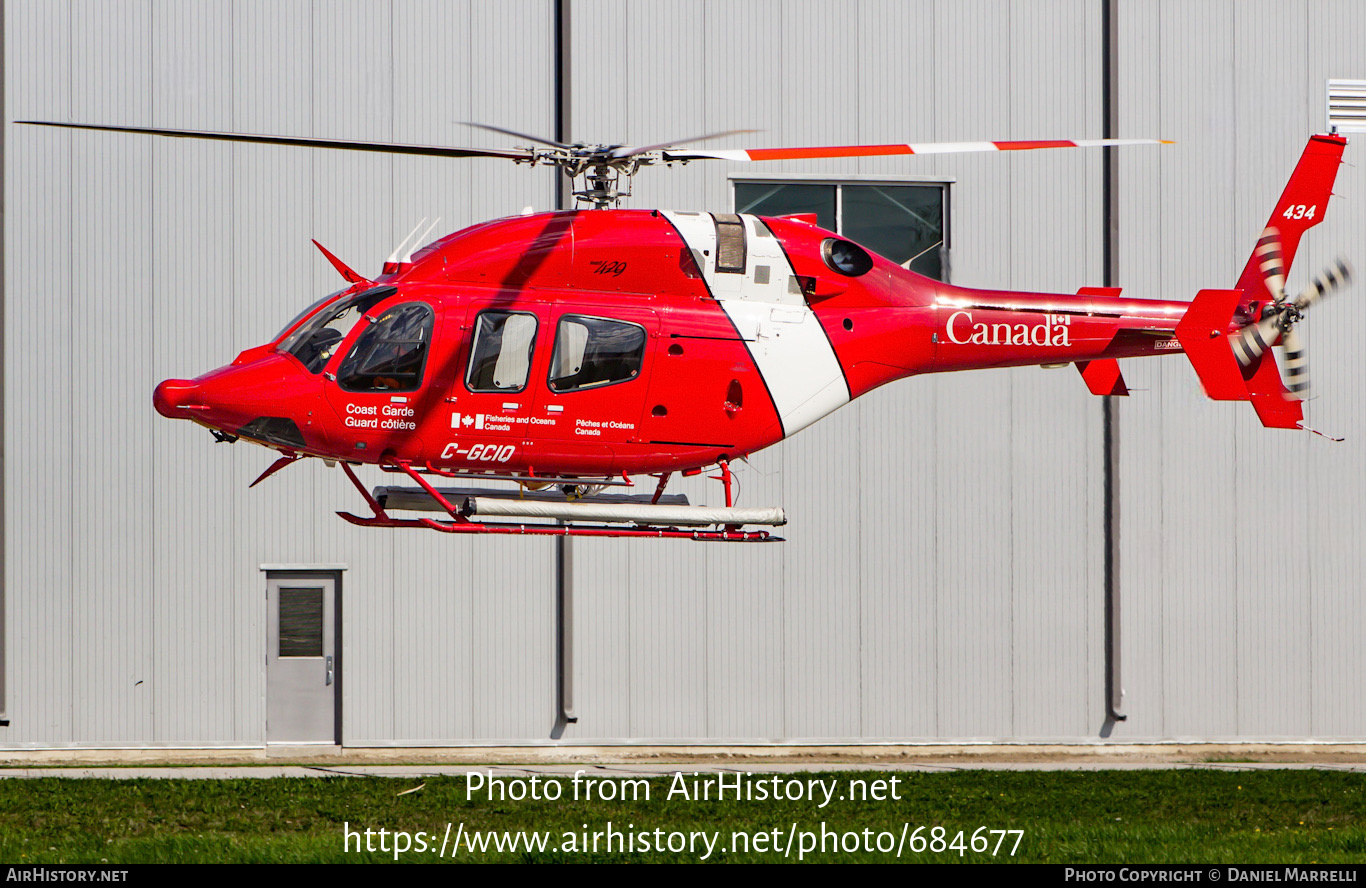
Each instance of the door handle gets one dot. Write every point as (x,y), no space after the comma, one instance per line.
(329,671)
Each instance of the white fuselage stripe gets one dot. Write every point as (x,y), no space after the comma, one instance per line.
(782,333)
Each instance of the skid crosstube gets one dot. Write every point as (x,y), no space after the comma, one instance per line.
(462,524)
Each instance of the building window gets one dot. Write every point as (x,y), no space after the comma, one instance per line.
(301,621)
(907,222)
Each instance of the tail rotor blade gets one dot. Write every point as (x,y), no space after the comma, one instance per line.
(1296,365)
(1272,263)
(1254,339)
(1337,275)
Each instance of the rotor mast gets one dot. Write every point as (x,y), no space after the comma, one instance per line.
(599,179)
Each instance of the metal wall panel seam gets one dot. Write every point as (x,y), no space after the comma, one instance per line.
(1010,396)
(4,416)
(235,545)
(152,287)
(391,541)
(71,376)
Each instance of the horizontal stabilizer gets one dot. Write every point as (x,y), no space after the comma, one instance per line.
(1107,292)
(1202,334)
(1103,377)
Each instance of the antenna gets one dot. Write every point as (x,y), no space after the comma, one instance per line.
(408,257)
(398,250)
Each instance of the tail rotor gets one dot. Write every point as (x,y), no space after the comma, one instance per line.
(1279,317)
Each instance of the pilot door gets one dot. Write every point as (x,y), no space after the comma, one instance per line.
(377,386)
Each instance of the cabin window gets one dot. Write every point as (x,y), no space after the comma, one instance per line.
(390,353)
(905,222)
(595,352)
(730,244)
(500,359)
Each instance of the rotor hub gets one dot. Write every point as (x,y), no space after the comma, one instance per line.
(601,176)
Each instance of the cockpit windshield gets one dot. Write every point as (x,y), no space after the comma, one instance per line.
(306,312)
(317,339)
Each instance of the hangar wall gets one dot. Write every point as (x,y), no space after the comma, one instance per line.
(943,575)
(1242,575)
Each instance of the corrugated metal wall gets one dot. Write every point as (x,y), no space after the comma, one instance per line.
(943,577)
(942,572)
(136,602)
(1241,570)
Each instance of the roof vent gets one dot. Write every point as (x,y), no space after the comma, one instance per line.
(1347,106)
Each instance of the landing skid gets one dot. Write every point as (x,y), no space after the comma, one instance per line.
(461,507)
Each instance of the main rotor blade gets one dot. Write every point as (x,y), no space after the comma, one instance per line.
(909,148)
(301,141)
(1296,365)
(1272,263)
(1337,275)
(539,140)
(628,151)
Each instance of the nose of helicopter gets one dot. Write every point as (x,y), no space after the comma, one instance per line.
(174,396)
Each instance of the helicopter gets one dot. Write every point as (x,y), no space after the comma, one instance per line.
(573,352)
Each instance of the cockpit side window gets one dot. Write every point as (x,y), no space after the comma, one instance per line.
(500,359)
(389,355)
(317,339)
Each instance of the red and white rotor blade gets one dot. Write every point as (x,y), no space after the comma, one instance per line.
(628,151)
(908,148)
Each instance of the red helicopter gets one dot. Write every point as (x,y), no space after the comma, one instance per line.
(570,351)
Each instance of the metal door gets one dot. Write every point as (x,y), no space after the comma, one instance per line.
(302,665)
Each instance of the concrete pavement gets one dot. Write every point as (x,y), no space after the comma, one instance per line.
(648,761)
